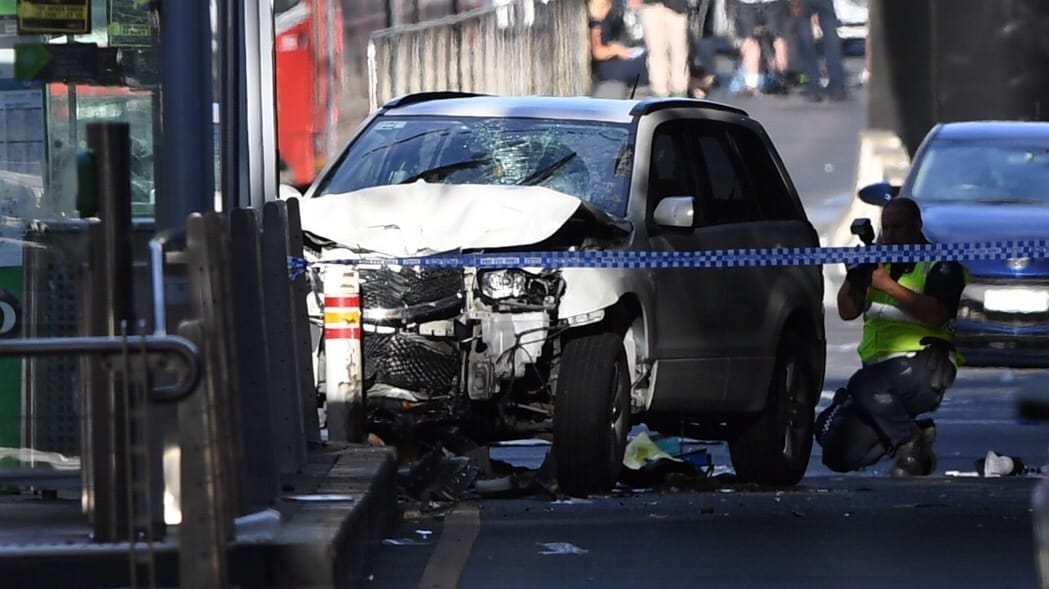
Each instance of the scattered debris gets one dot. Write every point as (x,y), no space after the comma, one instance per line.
(561,548)
(642,451)
(438,479)
(999,465)
(321,498)
(571,501)
(404,542)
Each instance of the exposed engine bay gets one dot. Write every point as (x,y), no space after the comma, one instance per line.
(468,348)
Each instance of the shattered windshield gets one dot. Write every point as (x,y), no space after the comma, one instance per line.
(586,159)
(982,172)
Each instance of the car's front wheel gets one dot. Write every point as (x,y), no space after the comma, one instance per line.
(591,413)
(774,447)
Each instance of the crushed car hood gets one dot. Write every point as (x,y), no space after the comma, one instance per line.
(421,219)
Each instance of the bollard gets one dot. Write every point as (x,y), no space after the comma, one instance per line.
(344,368)
(110,144)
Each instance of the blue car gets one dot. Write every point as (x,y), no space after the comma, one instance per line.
(986,181)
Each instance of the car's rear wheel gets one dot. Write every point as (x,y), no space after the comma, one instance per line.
(774,448)
(591,413)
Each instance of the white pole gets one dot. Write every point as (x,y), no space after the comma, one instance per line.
(343,360)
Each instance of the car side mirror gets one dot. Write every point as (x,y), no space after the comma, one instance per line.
(675,211)
(878,194)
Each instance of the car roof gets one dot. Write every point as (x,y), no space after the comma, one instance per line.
(995,130)
(554,107)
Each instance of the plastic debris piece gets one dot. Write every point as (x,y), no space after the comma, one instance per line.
(404,542)
(672,445)
(642,450)
(526,442)
(962,473)
(571,501)
(999,465)
(561,548)
(321,498)
(424,533)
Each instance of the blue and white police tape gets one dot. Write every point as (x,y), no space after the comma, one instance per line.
(726,258)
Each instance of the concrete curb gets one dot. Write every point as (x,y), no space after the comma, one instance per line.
(329,542)
(333,544)
(882,158)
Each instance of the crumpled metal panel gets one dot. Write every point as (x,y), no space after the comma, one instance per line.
(388,288)
(411,361)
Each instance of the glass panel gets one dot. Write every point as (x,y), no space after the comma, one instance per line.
(579,158)
(42,240)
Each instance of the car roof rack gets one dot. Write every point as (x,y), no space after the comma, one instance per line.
(419,97)
(651,105)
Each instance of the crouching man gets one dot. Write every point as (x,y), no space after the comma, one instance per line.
(907,349)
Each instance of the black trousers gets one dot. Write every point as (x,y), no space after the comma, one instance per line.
(875,413)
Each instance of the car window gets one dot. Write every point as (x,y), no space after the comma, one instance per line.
(982,172)
(584,159)
(672,171)
(775,202)
(730,199)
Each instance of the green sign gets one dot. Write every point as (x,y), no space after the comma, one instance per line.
(80,63)
(54,16)
(130,24)
(10,326)
(8,18)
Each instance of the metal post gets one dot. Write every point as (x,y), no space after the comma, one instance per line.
(111,144)
(187,182)
(230,67)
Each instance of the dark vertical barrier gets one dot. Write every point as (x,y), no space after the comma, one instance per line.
(206,434)
(303,344)
(289,440)
(258,469)
(111,145)
(952,60)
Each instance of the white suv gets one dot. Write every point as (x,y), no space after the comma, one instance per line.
(725,353)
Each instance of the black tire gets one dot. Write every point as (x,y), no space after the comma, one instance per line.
(591,413)
(774,448)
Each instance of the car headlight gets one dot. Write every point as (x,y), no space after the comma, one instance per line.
(503,284)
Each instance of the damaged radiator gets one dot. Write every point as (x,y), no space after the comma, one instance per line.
(401,298)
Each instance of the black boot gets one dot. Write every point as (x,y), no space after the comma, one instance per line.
(915,457)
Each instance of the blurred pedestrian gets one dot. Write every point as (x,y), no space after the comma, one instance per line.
(821,13)
(702,46)
(772,16)
(617,68)
(665,23)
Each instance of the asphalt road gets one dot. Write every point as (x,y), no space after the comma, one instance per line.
(863,529)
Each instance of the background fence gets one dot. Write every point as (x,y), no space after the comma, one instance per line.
(519,47)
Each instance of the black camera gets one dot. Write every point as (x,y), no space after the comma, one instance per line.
(863,229)
(859,275)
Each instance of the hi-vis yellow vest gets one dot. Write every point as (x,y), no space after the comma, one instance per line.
(888,329)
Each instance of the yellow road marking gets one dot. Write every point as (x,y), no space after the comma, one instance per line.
(446,564)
